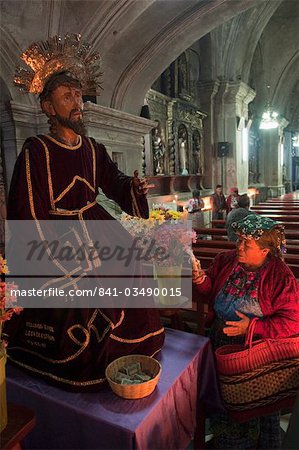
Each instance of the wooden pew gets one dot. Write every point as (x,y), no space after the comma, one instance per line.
(211,231)
(280,217)
(279,205)
(227,245)
(212,243)
(212,252)
(269,211)
(221,232)
(292,225)
(279,201)
(207,260)
(290,200)
(218,223)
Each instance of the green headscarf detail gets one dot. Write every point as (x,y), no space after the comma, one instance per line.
(254,225)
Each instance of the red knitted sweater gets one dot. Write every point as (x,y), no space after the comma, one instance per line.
(278,294)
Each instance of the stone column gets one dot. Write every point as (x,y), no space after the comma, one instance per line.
(226,102)
(232,103)
(271,158)
(288,158)
(211,170)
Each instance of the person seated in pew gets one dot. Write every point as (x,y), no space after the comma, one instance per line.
(232,199)
(194,207)
(236,214)
(251,281)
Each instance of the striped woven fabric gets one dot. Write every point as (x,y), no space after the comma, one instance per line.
(261,386)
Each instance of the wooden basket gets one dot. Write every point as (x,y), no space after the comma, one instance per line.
(134,391)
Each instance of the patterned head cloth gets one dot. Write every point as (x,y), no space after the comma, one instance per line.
(254,226)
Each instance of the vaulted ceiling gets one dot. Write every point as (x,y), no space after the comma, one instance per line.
(251,40)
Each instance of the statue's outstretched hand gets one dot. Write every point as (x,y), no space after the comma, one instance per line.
(141,185)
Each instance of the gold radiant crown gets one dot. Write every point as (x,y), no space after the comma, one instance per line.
(57,54)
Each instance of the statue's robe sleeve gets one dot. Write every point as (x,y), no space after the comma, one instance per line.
(118,186)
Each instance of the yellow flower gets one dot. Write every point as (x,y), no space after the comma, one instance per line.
(4,269)
(164,214)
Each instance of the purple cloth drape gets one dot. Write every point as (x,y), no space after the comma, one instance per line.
(164,420)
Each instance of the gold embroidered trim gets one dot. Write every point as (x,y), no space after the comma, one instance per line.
(68,147)
(132,341)
(48,172)
(99,339)
(74,212)
(79,212)
(134,202)
(93,162)
(94,328)
(69,187)
(29,185)
(74,339)
(83,345)
(32,209)
(96,260)
(92,317)
(87,207)
(122,316)
(73,281)
(54,377)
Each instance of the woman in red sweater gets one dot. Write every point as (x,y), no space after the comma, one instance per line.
(251,281)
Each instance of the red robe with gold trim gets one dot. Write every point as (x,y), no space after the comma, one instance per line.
(49,179)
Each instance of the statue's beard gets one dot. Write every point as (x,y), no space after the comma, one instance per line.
(76,125)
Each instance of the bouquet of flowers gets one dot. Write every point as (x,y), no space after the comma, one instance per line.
(166,231)
(7,301)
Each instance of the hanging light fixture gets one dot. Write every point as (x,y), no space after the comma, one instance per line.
(269,117)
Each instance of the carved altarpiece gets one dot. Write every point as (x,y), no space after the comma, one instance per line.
(176,149)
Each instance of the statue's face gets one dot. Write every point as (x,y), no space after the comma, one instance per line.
(67,102)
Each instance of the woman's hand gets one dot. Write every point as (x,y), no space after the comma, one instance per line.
(237,328)
(198,275)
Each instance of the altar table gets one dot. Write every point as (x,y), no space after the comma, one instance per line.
(165,420)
